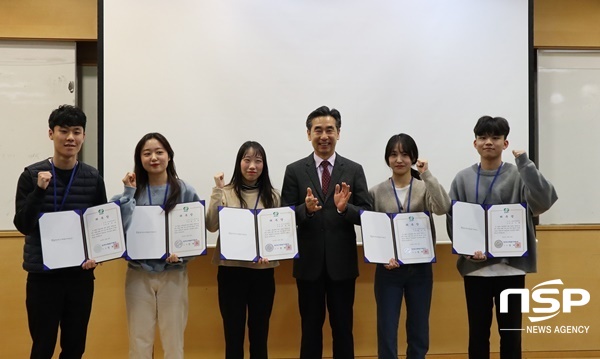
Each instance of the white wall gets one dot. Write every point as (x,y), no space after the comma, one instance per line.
(35,79)
(569,124)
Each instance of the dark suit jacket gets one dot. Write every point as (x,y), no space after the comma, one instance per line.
(327,238)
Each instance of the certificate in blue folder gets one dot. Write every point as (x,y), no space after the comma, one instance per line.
(69,238)
(498,230)
(248,235)
(406,237)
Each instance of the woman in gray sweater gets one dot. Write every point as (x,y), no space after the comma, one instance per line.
(408,190)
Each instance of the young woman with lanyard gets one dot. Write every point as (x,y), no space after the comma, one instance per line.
(408,190)
(156,290)
(244,287)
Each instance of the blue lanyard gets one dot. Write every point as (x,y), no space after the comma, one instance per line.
(67,190)
(396,195)
(164,200)
(257,199)
(491,184)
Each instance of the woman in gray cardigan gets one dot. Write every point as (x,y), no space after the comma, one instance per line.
(408,190)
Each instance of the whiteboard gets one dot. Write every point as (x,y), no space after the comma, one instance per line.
(569,126)
(212,74)
(34,80)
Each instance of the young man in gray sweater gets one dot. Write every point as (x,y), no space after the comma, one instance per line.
(489,182)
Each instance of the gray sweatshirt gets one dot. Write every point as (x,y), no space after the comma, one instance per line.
(427,195)
(522,183)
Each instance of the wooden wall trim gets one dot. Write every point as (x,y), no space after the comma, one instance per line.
(566,24)
(568,227)
(71,20)
(526,355)
(563,24)
(11,234)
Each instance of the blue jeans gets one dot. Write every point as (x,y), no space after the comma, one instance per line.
(415,283)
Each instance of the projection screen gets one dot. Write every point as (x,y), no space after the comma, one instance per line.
(212,74)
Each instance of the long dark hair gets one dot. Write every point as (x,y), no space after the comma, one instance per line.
(141,176)
(409,146)
(267,193)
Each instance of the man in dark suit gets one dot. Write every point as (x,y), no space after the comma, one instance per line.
(326,212)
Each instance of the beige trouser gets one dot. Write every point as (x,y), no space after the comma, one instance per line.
(153,298)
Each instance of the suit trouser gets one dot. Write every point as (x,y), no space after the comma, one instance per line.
(156,298)
(338,296)
(482,294)
(244,290)
(55,302)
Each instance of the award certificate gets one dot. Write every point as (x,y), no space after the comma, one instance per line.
(187,234)
(507,230)
(104,234)
(146,233)
(61,239)
(69,238)
(468,228)
(406,237)
(277,237)
(377,236)
(237,234)
(414,240)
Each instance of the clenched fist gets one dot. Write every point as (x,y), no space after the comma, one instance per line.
(44,179)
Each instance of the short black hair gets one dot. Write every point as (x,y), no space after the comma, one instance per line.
(488,125)
(324,111)
(67,116)
(408,145)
